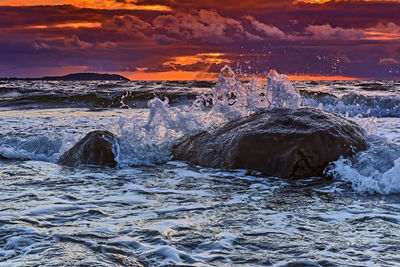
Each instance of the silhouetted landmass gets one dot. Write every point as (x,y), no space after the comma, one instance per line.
(77,77)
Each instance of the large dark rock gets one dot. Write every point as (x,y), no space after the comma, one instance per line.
(281,142)
(96,148)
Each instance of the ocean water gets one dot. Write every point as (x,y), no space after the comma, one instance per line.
(153,211)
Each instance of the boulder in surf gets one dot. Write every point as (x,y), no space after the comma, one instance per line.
(287,143)
(96,148)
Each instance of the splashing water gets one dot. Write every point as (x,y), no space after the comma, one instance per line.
(280,91)
(150,142)
(234,99)
(370,125)
(229,100)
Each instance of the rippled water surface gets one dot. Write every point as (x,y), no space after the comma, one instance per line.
(172,213)
(151,211)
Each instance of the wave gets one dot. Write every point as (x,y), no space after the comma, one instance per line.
(116,99)
(39,147)
(376,170)
(95,94)
(354,104)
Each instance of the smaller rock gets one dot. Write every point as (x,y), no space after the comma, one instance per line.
(96,148)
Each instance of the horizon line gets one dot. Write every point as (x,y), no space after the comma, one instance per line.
(209,77)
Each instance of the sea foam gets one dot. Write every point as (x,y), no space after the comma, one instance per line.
(376,170)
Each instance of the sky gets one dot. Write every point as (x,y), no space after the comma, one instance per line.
(187,39)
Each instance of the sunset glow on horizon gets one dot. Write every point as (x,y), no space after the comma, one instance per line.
(92,4)
(207,76)
(184,40)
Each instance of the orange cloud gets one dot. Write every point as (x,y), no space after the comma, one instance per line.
(327,1)
(311,77)
(68,25)
(202,57)
(169,76)
(95,4)
(389,31)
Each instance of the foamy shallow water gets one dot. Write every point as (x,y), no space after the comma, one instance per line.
(150,211)
(176,214)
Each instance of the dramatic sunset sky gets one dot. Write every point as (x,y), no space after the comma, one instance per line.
(187,39)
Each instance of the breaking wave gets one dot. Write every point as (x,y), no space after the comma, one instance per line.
(355,104)
(376,170)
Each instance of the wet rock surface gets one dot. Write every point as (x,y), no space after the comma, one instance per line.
(96,148)
(287,143)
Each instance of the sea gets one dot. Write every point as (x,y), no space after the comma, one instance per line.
(151,210)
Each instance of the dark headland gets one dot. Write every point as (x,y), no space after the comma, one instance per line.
(77,77)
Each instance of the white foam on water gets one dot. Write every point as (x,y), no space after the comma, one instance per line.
(142,188)
(376,170)
(170,254)
(188,173)
(178,163)
(336,216)
(374,181)
(42,148)
(17,242)
(129,197)
(21,241)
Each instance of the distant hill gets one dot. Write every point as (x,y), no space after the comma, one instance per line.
(77,77)
(86,77)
